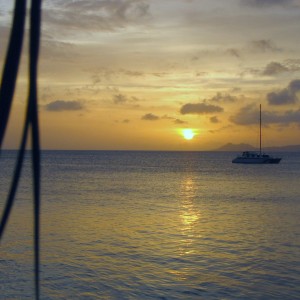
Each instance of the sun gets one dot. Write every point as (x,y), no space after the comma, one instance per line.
(188,134)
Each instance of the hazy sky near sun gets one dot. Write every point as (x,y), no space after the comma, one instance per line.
(131,74)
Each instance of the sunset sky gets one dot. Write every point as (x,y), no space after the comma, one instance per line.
(133,74)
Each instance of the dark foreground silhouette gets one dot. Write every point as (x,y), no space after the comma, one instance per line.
(31,126)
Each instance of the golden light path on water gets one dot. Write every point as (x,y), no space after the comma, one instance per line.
(189,214)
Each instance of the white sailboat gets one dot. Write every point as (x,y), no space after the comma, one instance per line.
(254,157)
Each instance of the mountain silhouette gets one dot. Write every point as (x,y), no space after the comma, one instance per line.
(246,147)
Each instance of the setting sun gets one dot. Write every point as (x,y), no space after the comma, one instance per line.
(188,134)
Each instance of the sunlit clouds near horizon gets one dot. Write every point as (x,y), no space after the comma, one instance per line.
(133,74)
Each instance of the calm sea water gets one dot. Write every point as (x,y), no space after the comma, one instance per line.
(155,225)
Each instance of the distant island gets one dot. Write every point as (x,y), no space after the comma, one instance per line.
(245,147)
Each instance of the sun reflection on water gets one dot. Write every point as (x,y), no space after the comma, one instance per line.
(189,216)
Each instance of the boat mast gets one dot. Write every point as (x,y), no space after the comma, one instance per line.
(260,129)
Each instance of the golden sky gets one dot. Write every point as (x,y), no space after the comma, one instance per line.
(132,74)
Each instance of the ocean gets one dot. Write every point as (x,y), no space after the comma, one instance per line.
(154,225)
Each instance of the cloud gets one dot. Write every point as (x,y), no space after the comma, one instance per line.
(105,15)
(62,105)
(234,52)
(285,118)
(200,108)
(124,121)
(56,50)
(285,96)
(175,120)
(253,47)
(274,68)
(131,73)
(178,121)
(266,3)
(249,115)
(293,64)
(150,117)
(120,99)
(219,97)
(264,46)
(153,117)
(214,119)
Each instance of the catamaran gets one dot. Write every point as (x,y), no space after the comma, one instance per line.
(255,157)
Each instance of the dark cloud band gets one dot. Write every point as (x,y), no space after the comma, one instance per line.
(62,105)
(200,109)
(285,96)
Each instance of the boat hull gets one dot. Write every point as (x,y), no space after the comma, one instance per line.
(274,161)
(241,160)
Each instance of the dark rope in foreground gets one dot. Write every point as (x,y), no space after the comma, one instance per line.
(31,119)
(35,22)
